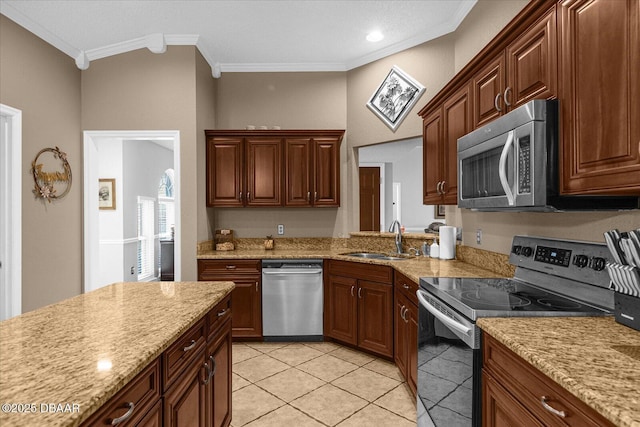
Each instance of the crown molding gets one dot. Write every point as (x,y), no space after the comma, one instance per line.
(283,67)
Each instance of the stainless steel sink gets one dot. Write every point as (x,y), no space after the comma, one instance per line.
(375,255)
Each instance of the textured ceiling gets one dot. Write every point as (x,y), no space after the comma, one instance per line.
(304,35)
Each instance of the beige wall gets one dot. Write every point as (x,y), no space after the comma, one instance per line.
(45,84)
(141,90)
(291,101)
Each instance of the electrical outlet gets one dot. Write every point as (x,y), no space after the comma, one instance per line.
(478,236)
(280,229)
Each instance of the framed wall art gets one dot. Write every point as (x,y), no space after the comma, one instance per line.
(438,211)
(395,97)
(107,193)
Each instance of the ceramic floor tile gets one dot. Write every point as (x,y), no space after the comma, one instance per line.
(295,354)
(250,403)
(385,368)
(242,352)
(324,347)
(327,367)
(329,404)
(373,415)
(237,382)
(399,401)
(365,383)
(290,384)
(259,368)
(352,356)
(285,416)
(266,347)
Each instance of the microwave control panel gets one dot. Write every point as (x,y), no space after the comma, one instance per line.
(524,165)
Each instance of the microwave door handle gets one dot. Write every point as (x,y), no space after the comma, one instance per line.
(503,169)
(442,317)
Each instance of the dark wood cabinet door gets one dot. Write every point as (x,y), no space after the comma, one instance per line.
(153,418)
(219,388)
(298,154)
(326,191)
(457,123)
(264,171)
(432,158)
(225,160)
(600,96)
(500,409)
(412,342)
(532,63)
(246,316)
(488,86)
(400,333)
(341,309)
(185,402)
(375,317)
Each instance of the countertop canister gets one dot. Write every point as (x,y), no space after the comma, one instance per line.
(447,242)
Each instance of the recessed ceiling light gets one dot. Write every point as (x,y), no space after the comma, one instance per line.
(375,36)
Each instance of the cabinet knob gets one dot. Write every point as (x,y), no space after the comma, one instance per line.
(495,102)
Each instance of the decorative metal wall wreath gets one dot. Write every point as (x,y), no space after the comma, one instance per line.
(45,181)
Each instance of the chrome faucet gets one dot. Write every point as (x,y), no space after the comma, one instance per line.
(395,226)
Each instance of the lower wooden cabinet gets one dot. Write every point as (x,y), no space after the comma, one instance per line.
(359,311)
(247,295)
(406,329)
(516,393)
(189,385)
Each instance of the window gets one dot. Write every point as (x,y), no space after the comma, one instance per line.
(166,207)
(146,238)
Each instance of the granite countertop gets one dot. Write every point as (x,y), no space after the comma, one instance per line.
(79,352)
(594,358)
(412,267)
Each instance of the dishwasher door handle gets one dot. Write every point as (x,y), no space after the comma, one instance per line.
(279,272)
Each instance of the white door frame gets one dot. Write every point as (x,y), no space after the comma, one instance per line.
(11,215)
(90,190)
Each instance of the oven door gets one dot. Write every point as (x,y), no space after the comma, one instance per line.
(449,367)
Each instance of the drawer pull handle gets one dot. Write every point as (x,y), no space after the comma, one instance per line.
(222,312)
(404,285)
(551,409)
(213,363)
(360,293)
(190,346)
(230,267)
(352,287)
(207,375)
(126,416)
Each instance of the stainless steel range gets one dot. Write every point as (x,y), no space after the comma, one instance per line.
(553,278)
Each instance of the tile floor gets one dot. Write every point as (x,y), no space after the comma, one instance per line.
(316,384)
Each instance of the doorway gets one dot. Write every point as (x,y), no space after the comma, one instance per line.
(369,198)
(10,212)
(124,246)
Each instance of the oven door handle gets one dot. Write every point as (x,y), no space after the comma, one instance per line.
(441,316)
(502,169)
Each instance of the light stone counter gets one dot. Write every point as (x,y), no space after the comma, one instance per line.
(594,358)
(79,352)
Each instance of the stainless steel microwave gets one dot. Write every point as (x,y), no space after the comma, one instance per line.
(512,164)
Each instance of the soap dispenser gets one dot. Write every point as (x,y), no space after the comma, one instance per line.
(434,249)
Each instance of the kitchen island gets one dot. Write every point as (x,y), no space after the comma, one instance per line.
(596,359)
(61,363)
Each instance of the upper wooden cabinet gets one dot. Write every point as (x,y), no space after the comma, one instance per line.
(312,170)
(600,96)
(526,69)
(273,168)
(442,128)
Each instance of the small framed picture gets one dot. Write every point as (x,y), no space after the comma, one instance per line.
(395,97)
(107,193)
(438,211)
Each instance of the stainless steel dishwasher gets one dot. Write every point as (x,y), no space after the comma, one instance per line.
(292,300)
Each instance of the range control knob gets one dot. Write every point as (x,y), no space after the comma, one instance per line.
(598,263)
(581,261)
(527,251)
(516,249)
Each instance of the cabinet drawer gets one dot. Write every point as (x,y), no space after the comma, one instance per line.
(374,273)
(218,269)
(528,385)
(406,286)
(138,396)
(217,316)
(178,356)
